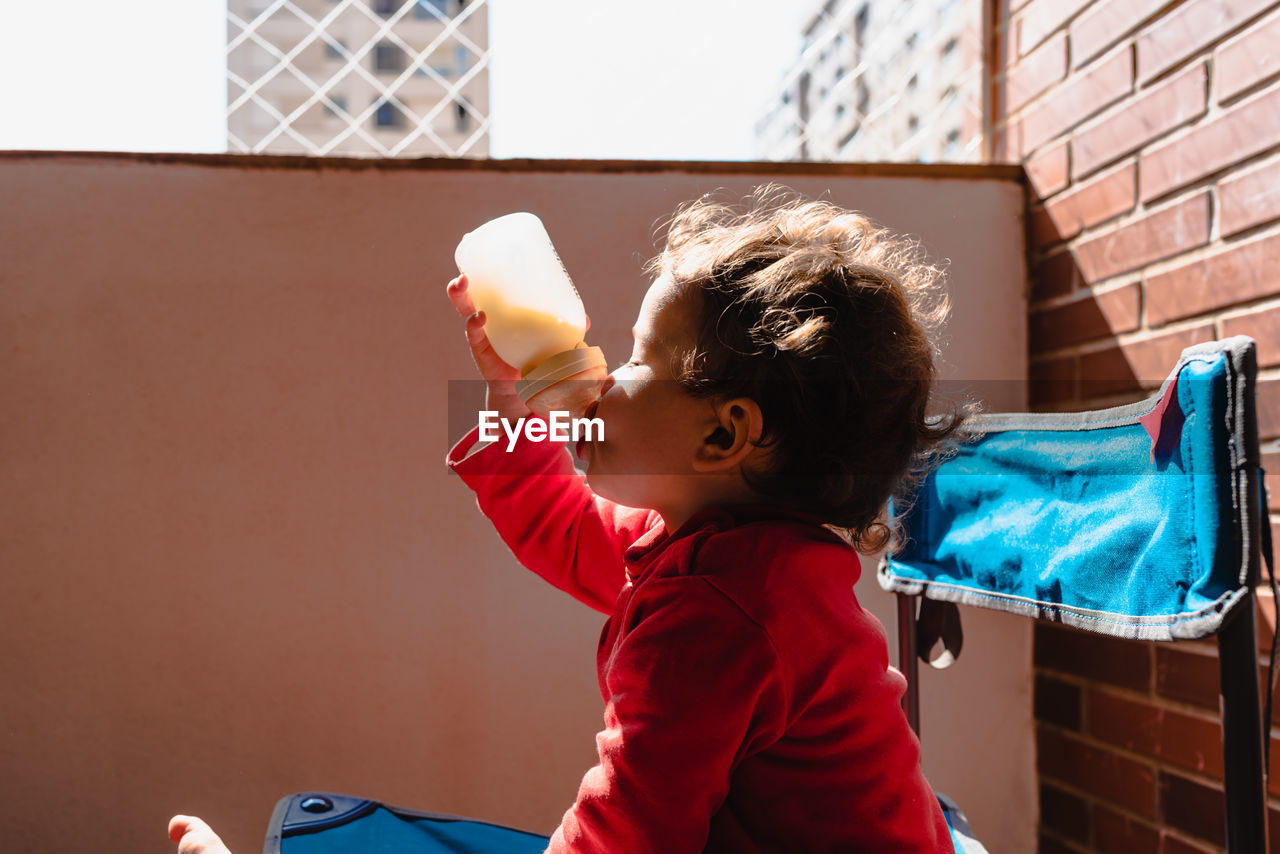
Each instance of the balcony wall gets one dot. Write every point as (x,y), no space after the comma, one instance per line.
(234,564)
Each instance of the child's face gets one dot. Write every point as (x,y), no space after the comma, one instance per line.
(652,427)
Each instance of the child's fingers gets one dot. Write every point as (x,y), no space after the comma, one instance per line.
(461,297)
(476,336)
(178,826)
(191,834)
(491,365)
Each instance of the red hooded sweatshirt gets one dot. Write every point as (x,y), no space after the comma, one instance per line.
(749,702)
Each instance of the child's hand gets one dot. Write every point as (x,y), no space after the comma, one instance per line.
(500,376)
(193,836)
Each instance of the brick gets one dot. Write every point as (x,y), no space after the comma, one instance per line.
(1189,28)
(1248,58)
(1243,131)
(1243,272)
(1157,234)
(1262,326)
(1053,381)
(1043,17)
(1114,833)
(1006,142)
(1057,702)
(1049,845)
(1133,726)
(1043,233)
(1269,411)
(1151,113)
(1094,315)
(1249,198)
(1047,171)
(1035,72)
(1174,845)
(1192,807)
(1105,23)
(1081,96)
(1054,276)
(1064,813)
(1126,664)
(1110,194)
(1137,364)
(1186,676)
(1194,743)
(1109,776)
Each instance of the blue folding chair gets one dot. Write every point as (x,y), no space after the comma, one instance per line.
(1145,521)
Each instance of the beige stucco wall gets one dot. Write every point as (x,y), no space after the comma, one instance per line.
(232,563)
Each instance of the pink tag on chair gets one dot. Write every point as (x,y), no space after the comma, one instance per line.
(1164,422)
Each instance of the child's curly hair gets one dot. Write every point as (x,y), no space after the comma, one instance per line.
(826,320)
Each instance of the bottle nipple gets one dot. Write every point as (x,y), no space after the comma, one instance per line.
(569,381)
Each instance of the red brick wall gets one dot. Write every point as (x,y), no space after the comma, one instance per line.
(1150,132)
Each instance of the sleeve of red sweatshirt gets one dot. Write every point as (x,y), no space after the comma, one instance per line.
(553,523)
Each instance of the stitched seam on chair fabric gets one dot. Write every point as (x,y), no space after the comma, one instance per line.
(1084,613)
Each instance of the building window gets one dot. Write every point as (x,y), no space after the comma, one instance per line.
(953,143)
(422,10)
(388,57)
(386,8)
(463,118)
(864,99)
(388,115)
(860,24)
(949,48)
(913,82)
(335,49)
(339,106)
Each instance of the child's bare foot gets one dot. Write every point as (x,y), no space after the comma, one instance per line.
(194,836)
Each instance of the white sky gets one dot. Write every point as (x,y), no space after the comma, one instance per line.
(644,79)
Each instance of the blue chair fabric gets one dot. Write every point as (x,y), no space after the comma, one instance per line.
(326,823)
(1139,521)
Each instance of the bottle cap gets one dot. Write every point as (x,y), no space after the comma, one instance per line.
(582,364)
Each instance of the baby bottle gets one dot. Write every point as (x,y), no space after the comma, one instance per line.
(533,315)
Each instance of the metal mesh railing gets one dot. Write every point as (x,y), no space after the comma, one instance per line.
(881,80)
(370,77)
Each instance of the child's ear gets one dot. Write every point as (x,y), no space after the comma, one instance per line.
(729,435)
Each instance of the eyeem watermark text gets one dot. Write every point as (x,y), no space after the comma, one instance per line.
(559,427)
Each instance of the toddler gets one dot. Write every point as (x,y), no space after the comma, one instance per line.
(775,399)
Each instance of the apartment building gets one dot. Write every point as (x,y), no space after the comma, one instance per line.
(377,78)
(881,81)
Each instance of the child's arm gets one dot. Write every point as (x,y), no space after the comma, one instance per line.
(541,507)
(553,523)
